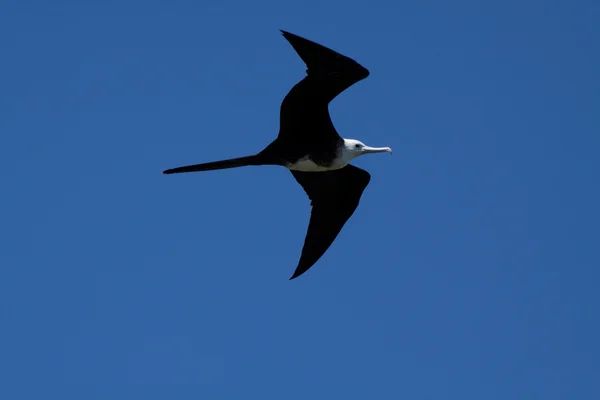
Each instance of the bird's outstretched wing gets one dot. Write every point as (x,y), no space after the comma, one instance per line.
(304,111)
(334,197)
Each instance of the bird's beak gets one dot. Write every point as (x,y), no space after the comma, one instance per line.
(368,150)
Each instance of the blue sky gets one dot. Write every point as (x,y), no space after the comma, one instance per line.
(469,271)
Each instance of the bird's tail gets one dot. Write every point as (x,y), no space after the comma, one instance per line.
(231,163)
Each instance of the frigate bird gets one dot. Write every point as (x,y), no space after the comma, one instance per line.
(310,147)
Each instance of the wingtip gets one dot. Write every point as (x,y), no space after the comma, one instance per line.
(296,274)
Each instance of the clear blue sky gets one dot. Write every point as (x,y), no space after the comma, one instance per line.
(469,271)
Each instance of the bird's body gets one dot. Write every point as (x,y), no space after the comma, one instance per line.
(343,154)
(310,147)
(307,165)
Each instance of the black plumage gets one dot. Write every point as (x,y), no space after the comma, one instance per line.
(307,132)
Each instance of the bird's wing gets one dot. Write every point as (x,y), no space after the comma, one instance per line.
(334,196)
(304,111)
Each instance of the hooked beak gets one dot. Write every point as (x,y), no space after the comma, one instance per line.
(368,150)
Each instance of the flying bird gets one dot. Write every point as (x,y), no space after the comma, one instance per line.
(311,148)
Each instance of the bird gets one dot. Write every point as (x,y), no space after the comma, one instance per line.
(310,147)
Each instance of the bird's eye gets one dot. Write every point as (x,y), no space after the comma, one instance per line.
(357,146)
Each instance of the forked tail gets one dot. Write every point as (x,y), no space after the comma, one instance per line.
(257,159)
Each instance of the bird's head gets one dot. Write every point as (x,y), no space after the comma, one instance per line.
(354,148)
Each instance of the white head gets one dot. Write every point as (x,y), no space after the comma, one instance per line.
(354,148)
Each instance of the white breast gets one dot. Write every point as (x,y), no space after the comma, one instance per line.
(307,165)
(344,156)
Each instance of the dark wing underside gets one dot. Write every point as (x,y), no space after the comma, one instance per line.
(304,111)
(334,196)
